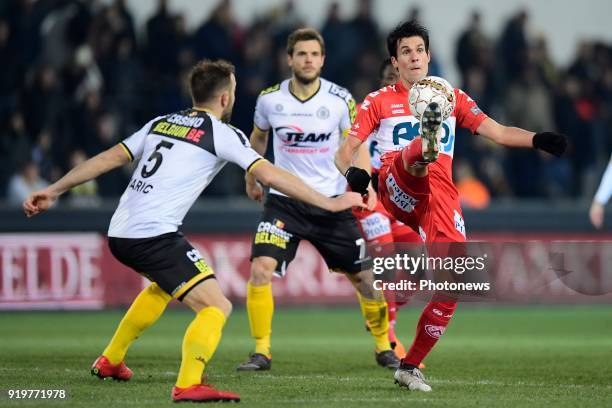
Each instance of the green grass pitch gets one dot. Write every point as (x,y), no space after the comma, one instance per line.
(502,356)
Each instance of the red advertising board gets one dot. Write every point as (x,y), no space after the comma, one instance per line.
(77,271)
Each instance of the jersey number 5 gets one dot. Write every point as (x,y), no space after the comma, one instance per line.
(157,157)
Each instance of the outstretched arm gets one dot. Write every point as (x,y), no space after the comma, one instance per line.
(345,153)
(294,187)
(551,142)
(357,177)
(104,162)
(596,212)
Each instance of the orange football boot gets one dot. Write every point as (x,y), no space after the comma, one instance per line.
(202,393)
(102,368)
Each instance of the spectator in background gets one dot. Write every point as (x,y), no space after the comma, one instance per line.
(71,60)
(223,28)
(86,194)
(15,146)
(160,39)
(23,183)
(79,25)
(469,47)
(472,192)
(596,213)
(365,30)
(256,72)
(492,172)
(105,135)
(43,99)
(84,119)
(529,106)
(514,46)
(82,75)
(539,55)
(43,156)
(282,21)
(169,52)
(340,44)
(10,74)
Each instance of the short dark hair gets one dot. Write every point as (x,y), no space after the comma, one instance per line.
(304,34)
(208,77)
(404,30)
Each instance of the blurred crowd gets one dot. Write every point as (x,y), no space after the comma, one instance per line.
(79,76)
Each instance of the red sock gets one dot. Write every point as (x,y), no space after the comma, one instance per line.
(413,153)
(431,326)
(394,306)
(400,303)
(392,317)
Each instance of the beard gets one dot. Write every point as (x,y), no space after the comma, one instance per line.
(306,80)
(226,116)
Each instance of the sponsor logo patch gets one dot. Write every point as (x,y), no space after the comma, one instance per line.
(322,113)
(272,234)
(375,226)
(441,314)
(401,199)
(198,261)
(434,331)
(459,223)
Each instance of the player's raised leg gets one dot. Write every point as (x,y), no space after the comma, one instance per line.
(200,342)
(146,309)
(260,308)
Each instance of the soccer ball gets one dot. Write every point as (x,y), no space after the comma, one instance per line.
(432,89)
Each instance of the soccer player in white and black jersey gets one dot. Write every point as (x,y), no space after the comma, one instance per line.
(308,117)
(178,155)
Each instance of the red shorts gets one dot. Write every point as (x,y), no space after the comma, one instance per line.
(380,227)
(413,201)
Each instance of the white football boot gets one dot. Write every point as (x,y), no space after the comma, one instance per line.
(412,379)
(431,122)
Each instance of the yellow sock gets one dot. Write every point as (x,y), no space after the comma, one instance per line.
(260,305)
(144,311)
(200,342)
(376,315)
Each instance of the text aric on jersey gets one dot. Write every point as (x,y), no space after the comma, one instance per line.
(140,186)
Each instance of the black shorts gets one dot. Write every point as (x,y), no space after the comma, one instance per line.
(285,222)
(168,260)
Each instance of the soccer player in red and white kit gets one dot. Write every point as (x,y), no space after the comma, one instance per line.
(415,181)
(380,229)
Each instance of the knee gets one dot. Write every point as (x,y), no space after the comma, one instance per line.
(364,283)
(261,271)
(221,303)
(225,306)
